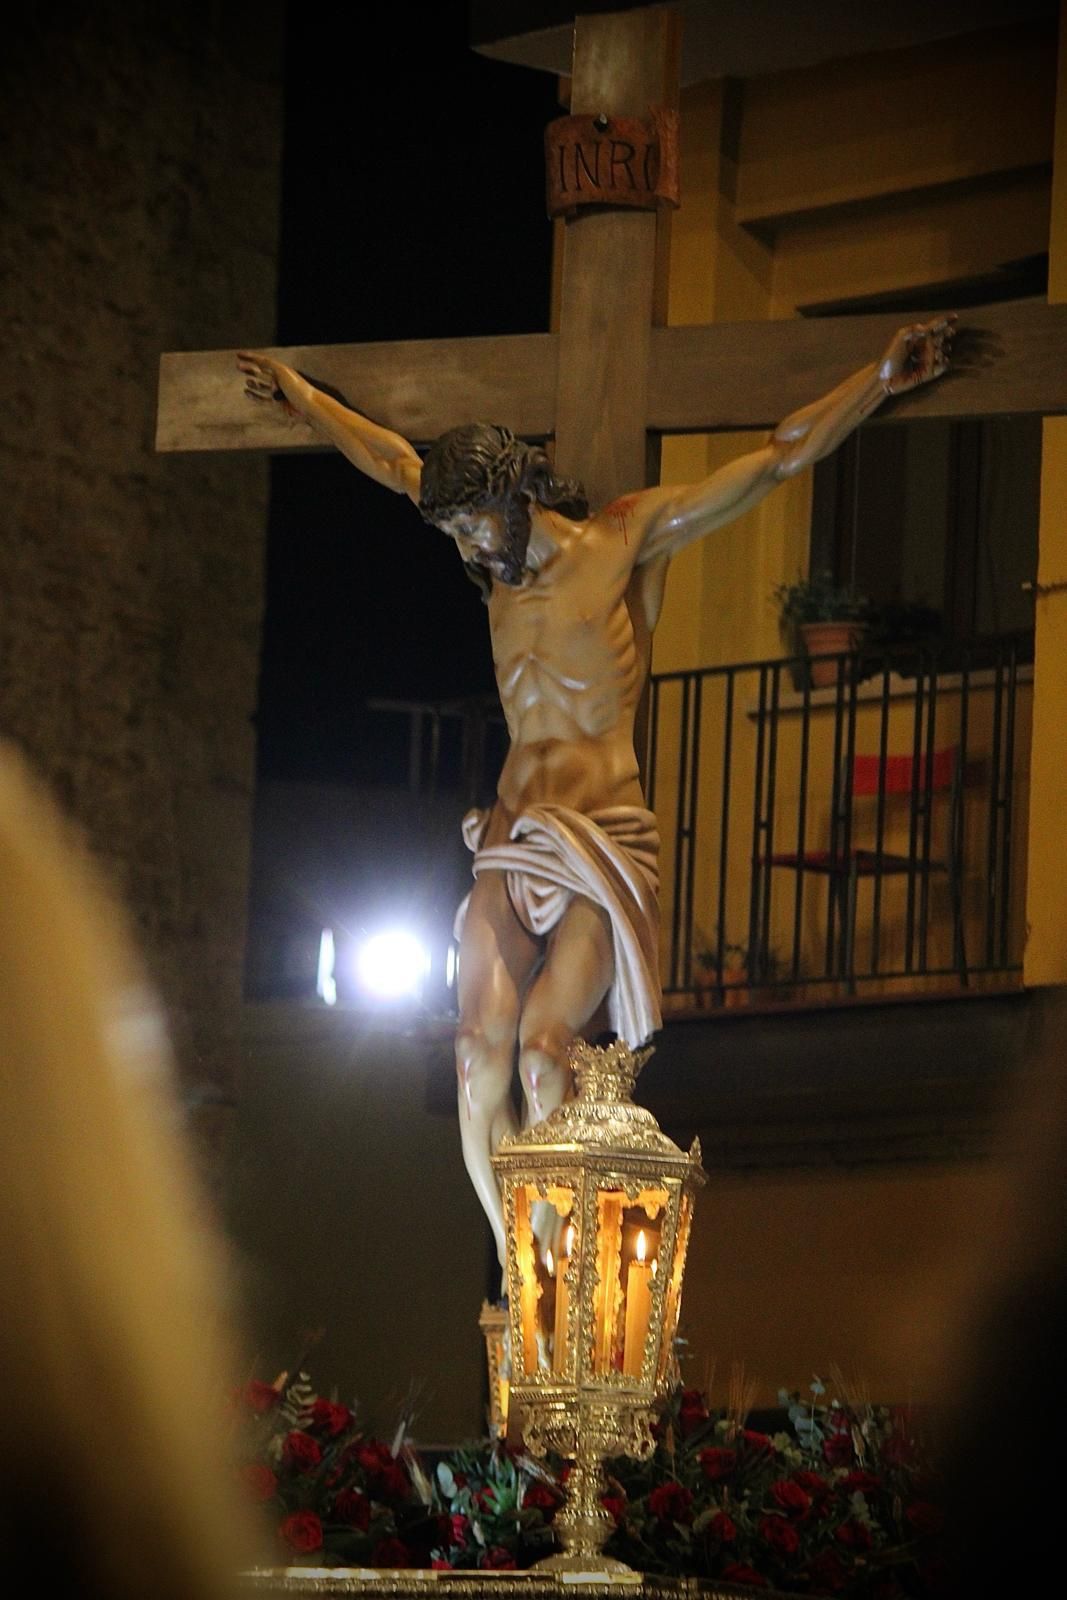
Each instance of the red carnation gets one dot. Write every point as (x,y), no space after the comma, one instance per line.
(837,1450)
(859,1482)
(330,1417)
(717,1463)
(259,1481)
(615,1506)
(390,1553)
(854,1535)
(439,1564)
(259,1396)
(692,1413)
(498,1558)
(540,1496)
(757,1441)
(790,1497)
(779,1534)
(301,1451)
(737,1572)
(486,1498)
(459,1526)
(926,1518)
(394,1482)
(302,1532)
(723,1528)
(671,1502)
(812,1483)
(352,1507)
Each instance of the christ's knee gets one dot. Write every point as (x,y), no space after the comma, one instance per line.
(483,1072)
(543,1069)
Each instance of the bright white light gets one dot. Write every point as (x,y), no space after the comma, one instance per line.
(325,986)
(392,965)
(451,966)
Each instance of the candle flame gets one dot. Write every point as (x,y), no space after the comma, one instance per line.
(568,1240)
(641,1245)
(549,1263)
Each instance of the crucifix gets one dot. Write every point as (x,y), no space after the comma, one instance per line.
(562,920)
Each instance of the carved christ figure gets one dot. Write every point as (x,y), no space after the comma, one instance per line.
(560,928)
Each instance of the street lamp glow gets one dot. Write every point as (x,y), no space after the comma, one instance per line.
(392,965)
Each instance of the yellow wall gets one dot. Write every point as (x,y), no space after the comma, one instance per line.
(1046,948)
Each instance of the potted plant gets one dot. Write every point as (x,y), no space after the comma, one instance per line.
(827,618)
(734,974)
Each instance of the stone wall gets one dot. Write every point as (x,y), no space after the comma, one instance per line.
(140,151)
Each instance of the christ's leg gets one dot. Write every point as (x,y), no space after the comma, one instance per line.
(496,958)
(562,999)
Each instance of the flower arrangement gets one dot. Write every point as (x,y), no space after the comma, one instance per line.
(843,1502)
(335,1497)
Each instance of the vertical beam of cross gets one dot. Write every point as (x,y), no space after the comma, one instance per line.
(614,278)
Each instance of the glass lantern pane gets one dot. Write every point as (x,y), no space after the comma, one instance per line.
(628,1247)
(548,1268)
(673,1305)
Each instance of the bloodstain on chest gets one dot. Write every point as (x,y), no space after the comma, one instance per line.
(620,511)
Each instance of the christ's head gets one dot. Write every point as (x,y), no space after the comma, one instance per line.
(477,485)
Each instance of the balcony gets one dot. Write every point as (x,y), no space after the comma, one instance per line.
(865,839)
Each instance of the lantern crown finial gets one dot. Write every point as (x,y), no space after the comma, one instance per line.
(606,1072)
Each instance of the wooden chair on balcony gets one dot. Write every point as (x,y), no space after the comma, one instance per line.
(845,864)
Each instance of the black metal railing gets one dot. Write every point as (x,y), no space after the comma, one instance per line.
(864,832)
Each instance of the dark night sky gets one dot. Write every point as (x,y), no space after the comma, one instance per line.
(412,207)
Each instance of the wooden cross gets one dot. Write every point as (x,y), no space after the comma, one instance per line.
(614,380)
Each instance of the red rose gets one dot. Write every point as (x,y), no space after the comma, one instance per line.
(330,1417)
(854,1535)
(737,1572)
(486,1498)
(302,1532)
(498,1559)
(723,1528)
(460,1525)
(859,1482)
(301,1451)
(615,1506)
(837,1450)
(671,1502)
(779,1534)
(757,1441)
(373,1455)
(540,1496)
(352,1507)
(438,1564)
(259,1396)
(259,1481)
(791,1497)
(390,1553)
(926,1518)
(717,1464)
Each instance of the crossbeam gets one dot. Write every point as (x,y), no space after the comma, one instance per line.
(422,387)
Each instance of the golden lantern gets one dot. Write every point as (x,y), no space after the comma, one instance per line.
(598,1204)
(493,1322)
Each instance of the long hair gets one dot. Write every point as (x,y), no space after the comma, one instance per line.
(112,1344)
(483,466)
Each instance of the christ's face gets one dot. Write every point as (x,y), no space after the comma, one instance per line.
(480,538)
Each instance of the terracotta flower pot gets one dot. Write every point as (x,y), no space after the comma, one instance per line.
(824,638)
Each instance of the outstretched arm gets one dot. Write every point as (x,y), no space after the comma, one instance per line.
(381,454)
(673,518)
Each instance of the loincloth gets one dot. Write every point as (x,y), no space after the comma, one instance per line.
(611,858)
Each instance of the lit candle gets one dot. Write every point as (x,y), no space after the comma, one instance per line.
(638,1309)
(559,1340)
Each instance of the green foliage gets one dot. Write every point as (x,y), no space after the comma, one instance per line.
(819,599)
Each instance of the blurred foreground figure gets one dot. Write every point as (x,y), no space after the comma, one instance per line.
(112,1434)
